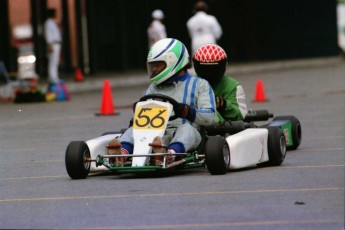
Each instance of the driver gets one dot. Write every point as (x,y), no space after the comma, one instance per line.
(210,62)
(167,64)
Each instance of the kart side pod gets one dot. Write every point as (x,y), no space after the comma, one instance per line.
(248,148)
(97,146)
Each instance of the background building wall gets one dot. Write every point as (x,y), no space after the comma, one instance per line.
(115,38)
(253,30)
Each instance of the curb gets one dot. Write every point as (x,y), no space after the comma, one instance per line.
(137,78)
(284,65)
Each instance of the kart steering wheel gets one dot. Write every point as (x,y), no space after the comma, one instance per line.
(161,97)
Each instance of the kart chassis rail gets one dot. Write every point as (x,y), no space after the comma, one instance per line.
(189,160)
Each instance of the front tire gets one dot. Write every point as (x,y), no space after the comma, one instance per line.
(217,154)
(75,159)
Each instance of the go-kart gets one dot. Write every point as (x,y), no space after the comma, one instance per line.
(288,124)
(237,145)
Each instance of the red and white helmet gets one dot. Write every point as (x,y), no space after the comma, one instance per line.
(210,62)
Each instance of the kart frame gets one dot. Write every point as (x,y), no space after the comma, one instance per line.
(213,152)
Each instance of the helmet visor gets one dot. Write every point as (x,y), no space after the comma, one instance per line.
(212,72)
(155,68)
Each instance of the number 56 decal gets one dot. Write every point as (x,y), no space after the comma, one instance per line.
(150,118)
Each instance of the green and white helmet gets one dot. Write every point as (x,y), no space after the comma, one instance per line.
(166,58)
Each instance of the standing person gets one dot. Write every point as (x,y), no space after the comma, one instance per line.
(202,27)
(167,64)
(156,30)
(210,62)
(53,39)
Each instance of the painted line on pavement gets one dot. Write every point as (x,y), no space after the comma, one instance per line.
(321,149)
(33,161)
(33,177)
(325,138)
(170,194)
(313,166)
(226,224)
(268,168)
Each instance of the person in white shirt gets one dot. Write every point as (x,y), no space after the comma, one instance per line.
(156,30)
(202,27)
(53,39)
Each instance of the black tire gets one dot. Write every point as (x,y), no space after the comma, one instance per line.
(76,166)
(217,154)
(296,131)
(276,146)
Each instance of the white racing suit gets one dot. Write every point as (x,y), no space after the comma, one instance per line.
(53,38)
(155,32)
(193,91)
(203,29)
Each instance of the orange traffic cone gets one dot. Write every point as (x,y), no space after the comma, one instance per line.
(260,92)
(107,106)
(78,75)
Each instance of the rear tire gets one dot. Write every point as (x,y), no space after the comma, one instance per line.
(296,131)
(76,166)
(217,154)
(276,146)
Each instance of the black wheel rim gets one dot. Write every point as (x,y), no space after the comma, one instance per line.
(86,155)
(282,145)
(226,155)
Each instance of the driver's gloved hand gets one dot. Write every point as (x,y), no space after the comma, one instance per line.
(185,111)
(221,104)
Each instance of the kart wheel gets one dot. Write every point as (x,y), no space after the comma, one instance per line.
(276,146)
(217,154)
(296,131)
(76,166)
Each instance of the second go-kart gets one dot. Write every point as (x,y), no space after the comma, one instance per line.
(288,124)
(237,145)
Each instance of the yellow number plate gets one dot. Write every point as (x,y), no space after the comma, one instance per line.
(150,118)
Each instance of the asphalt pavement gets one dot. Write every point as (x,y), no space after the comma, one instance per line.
(139,77)
(305,192)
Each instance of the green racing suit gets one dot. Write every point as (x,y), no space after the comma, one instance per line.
(232,92)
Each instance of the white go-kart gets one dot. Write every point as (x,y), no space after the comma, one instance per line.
(237,145)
